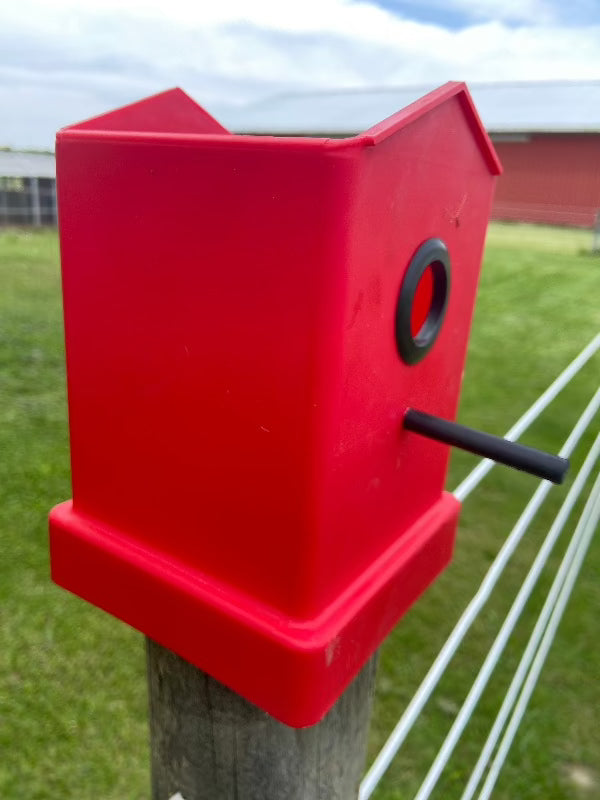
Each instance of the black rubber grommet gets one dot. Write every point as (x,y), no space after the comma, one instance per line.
(433,253)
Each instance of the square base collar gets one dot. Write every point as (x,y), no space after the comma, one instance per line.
(295,669)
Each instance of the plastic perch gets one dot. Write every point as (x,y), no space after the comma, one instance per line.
(519,456)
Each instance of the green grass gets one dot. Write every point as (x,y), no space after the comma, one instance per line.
(72,681)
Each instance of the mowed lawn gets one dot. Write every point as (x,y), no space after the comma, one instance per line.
(72,679)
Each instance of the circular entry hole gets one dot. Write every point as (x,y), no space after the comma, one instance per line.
(422,302)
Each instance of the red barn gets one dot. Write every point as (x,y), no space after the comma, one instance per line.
(549,177)
(547,134)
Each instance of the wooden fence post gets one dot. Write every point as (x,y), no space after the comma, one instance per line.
(596,235)
(208,743)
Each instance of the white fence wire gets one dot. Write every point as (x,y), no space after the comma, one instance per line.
(543,633)
(535,651)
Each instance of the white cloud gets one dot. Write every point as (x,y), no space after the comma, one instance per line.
(64,60)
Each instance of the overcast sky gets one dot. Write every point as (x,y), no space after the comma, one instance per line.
(64,60)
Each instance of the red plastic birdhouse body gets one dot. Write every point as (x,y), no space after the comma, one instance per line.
(243,491)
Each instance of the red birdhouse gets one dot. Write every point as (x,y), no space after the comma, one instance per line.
(247,320)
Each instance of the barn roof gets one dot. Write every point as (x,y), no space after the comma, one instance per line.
(26,165)
(516,107)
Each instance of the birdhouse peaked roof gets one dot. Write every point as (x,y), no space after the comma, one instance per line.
(428,103)
(174,113)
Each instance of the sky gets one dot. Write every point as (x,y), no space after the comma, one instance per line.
(62,61)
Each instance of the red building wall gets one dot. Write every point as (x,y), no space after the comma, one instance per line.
(549,178)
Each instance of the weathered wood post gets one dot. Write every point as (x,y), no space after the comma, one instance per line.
(36,209)
(596,235)
(208,743)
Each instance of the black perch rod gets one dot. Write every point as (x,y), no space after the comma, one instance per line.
(519,456)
